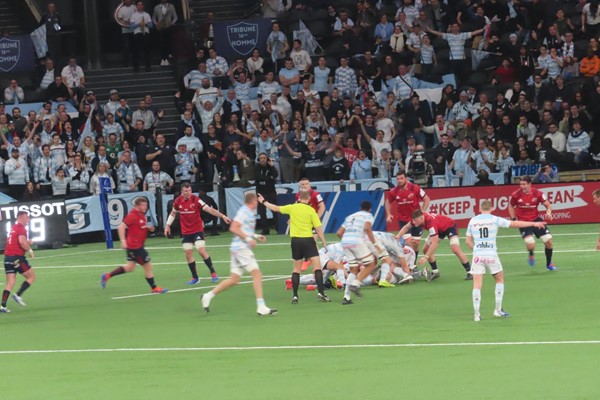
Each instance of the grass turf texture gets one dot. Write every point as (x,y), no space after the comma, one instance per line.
(67,310)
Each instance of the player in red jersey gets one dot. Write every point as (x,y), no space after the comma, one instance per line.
(596,200)
(407,197)
(132,234)
(316,202)
(523,206)
(189,206)
(14,260)
(439,227)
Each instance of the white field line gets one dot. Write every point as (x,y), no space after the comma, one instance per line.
(267,244)
(278,277)
(315,347)
(283,260)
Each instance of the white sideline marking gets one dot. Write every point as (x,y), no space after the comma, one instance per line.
(157,263)
(311,347)
(284,259)
(192,288)
(267,244)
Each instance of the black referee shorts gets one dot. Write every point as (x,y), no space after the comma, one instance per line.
(304,248)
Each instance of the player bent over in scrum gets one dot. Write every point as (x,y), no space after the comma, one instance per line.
(439,227)
(355,232)
(481,238)
(14,261)
(393,253)
(332,261)
(132,234)
(242,257)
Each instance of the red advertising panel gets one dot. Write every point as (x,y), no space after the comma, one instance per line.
(571,202)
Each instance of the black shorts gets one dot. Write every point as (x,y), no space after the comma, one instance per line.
(14,264)
(448,233)
(192,238)
(304,248)
(416,231)
(532,230)
(139,256)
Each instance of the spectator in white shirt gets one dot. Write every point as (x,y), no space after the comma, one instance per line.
(14,94)
(17,172)
(300,57)
(74,78)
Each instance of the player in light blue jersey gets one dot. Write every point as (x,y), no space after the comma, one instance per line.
(332,261)
(481,238)
(396,265)
(242,257)
(358,241)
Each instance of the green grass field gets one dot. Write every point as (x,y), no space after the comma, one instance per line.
(77,341)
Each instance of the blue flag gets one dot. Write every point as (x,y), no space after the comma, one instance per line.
(448,175)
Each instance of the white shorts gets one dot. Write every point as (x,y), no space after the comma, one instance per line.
(482,263)
(243,260)
(358,254)
(382,253)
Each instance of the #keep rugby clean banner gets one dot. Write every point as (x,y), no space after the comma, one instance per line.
(571,202)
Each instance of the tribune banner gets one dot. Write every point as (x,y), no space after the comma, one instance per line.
(571,202)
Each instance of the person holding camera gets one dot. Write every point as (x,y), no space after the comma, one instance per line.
(265,176)
(418,168)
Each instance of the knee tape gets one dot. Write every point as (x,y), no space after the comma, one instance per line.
(546,237)
(530,240)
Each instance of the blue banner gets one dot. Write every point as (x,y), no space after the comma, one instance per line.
(237,39)
(105,189)
(338,206)
(16,54)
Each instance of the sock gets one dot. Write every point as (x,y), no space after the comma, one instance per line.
(210,295)
(400,272)
(319,279)
(5,295)
(326,274)
(24,287)
(467,266)
(259,302)
(476,300)
(531,253)
(193,270)
(117,271)
(295,283)
(209,264)
(307,279)
(499,295)
(351,278)
(151,282)
(340,275)
(385,269)
(548,256)
(433,265)
(416,254)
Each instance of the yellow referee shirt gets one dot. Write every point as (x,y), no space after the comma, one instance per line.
(303,218)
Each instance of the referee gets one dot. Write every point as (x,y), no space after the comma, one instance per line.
(303,219)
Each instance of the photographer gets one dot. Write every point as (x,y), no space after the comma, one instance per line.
(418,169)
(546,174)
(265,175)
(484,178)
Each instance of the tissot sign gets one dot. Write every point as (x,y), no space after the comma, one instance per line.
(238,39)
(16,53)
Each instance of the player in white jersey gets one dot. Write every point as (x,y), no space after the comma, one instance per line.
(395,249)
(481,238)
(242,257)
(332,261)
(356,232)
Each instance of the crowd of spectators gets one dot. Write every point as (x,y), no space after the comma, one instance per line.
(352,113)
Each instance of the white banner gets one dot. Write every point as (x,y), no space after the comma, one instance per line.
(234,197)
(85,215)
(38,37)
